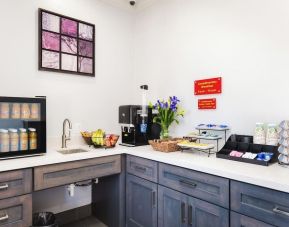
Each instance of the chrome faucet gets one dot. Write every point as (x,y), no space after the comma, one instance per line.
(64,136)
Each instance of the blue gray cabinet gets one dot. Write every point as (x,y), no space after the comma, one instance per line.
(260,203)
(203,186)
(141,202)
(143,168)
(172,208)
(204,214)
(178,210)
(239,220)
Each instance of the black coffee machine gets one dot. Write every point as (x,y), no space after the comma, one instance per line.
(137,127)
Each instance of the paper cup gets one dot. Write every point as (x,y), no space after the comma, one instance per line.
(284,133)
(283,159)
(284,125)
(283,150)
(284,142)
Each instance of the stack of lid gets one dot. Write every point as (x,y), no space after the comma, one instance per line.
(284,143)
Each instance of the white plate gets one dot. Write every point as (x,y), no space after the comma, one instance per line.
(209,146)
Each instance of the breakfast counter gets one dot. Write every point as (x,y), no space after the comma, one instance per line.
(273,177)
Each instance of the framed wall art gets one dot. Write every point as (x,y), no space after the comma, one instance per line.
(66,44)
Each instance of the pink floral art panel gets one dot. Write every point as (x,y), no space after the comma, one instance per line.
(50,22)
(69,27)
(85,65)
(68,62)
(68,45)
(85,32)
(50,41)
(50,59)
(85,48)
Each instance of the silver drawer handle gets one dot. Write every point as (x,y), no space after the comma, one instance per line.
(4,186)
(278,211)
(4,217)
(140,169)
(188,183)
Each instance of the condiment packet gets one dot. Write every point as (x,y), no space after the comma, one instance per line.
(264,156)
(236,154)
(249,155)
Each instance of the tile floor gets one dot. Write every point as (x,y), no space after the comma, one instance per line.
(86,222)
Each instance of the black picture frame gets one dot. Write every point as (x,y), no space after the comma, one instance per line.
(60,53)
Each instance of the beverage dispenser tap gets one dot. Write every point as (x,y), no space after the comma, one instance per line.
(144,109)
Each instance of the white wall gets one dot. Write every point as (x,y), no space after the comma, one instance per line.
(90,103)
(244,41)
(167,45)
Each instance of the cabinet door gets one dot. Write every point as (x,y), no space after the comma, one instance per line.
(239,220)
(204,214)
(16,211)
(141,202)
(172,208)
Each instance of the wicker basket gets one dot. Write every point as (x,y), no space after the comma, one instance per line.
(169,145)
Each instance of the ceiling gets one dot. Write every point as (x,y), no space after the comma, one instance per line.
(125,3)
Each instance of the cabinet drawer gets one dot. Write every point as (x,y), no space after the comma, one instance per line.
(143,168)
(16,211)
(200,185)
(261,203)
(15,183)
(239,220)
(71,172)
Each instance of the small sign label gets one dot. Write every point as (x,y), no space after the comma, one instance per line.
(208,86)
(207,104)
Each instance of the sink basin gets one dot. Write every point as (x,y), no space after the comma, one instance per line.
(71,151)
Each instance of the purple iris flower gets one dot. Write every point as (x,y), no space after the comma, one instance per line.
(174,102)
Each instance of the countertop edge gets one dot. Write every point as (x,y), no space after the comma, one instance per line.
(266,177)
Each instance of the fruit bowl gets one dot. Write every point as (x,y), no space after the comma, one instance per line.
(87,137)
(110,140)
(99,139)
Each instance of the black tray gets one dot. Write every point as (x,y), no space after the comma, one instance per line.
(244,144)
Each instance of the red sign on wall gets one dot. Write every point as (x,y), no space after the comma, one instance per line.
(208,86)
(207,104)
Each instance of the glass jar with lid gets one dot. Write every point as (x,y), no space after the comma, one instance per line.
(4,140)
(4,110)
(259,136)
(25,111)
(23,139)
(14,139)
(15,112)
(32,139)
(35,113)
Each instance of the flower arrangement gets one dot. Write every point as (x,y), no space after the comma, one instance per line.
(168,112)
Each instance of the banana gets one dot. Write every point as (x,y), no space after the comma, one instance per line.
(98,137)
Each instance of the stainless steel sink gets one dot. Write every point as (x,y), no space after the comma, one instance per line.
(72,151)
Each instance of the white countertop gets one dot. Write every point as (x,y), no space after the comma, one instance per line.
(274,176)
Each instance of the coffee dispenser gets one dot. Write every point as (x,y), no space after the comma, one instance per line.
(137,125)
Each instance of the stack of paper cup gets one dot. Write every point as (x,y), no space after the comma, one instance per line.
(284,143)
